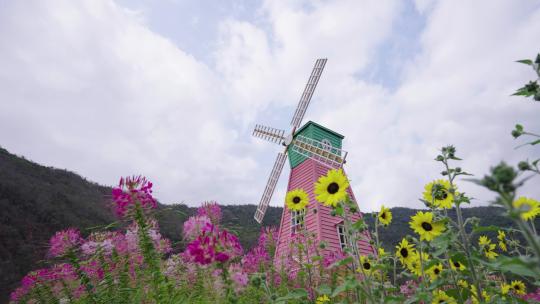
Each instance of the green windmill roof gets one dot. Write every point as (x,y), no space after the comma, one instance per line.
(318,125)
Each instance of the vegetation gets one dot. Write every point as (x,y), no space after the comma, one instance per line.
(445,256)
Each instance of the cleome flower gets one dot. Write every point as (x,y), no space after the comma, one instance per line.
(331,188)
(423,224)
(64,241)
(437,193)
(385,216)
(133,190)
(212,211)
(297,199)
(528,207)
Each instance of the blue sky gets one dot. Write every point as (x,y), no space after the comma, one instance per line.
(172,89)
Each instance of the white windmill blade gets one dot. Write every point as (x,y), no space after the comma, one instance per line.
(270,186)
(323,153)
(308,92)
(271,134)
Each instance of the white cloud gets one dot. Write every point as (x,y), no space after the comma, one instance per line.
(89,87)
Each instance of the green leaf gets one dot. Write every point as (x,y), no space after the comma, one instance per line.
(486,229)
(518,265)
(536,142)
(324,289)
(525,61)
(293,295)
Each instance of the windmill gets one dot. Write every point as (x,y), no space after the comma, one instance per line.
(312,150)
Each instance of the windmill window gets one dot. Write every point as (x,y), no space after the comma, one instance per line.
(326,144)
(343,237)
(297,220)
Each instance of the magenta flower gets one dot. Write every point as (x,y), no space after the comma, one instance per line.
(238,276)
(64,241)
(212,211)
(214,246)
(196,225)
(131,190)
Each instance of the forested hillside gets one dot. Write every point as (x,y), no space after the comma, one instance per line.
(37,201)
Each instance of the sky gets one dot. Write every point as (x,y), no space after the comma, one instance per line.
(172,90)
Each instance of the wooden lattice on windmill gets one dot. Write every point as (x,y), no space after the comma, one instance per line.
(312,150)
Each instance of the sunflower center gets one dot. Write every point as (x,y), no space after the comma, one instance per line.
(333,188)
(441,195)
(442,301)
(367,266)
(404,252)
(296,200)
(437,271)
(383,216)
(516,287)
(457,265)
(427,226)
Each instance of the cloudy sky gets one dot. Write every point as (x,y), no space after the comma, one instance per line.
(172,89)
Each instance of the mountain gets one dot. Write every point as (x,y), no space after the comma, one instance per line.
(36,201)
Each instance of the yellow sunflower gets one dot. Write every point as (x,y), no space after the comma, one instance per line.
(475,295)
(297,199)
(457,265)
(323,299)
(422,223)
(366,265)
(487,247)
(405,251)
(385,216)
(381,252)
(501,235)
(505,289)
(440,296)
(528,207)
(463,284)
(435,271)
(331,188)
(438,193)
(518,287)
(414,266)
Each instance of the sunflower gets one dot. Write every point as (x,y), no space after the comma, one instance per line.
(405,251)
(503,247)
(365,265)
(297,199)
(381,252)
(505,289)
(485,243)
(435,271)
(463,284)
(422,223)
(323,299)
(414,266)
(528,207)
(475,295)
(518,287)
(331,188)
(385,216)
(501,235)
(440,296)
(437,193)
(457,265)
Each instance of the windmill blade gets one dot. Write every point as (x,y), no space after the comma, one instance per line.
(270,186)
(271,134)
(308,92)
(323,153)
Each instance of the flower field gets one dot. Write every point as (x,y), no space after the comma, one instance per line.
(441,261)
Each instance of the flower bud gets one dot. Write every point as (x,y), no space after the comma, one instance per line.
(524,166)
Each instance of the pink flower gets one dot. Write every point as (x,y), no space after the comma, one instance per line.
(238,276)
(212,211)
(214,246)
(64,241)
(196,225)
(99,241)
(131,190)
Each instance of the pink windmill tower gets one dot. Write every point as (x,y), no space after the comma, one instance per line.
(312,150)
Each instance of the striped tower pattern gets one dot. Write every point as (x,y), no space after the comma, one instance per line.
(317,220)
